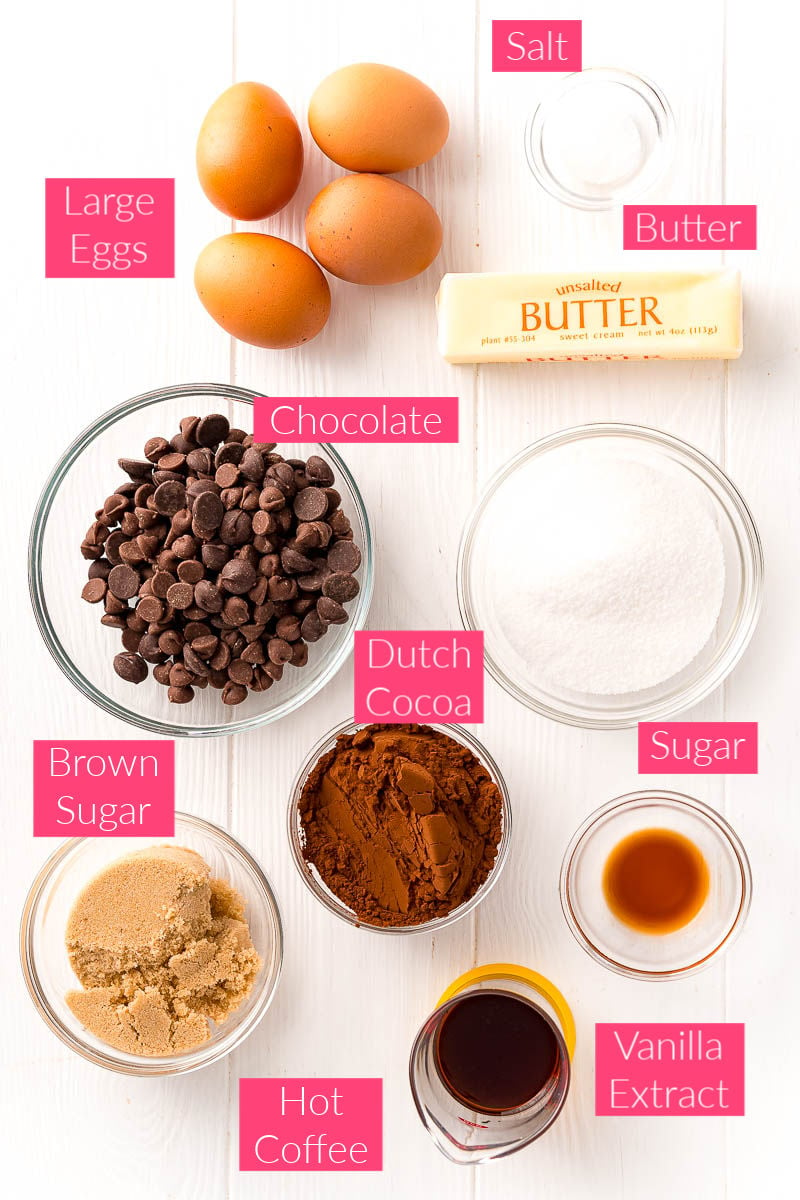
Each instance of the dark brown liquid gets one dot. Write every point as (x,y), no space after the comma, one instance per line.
(495,1052)
(655,880)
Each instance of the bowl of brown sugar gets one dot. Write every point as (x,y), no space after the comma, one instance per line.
(399,828)
(152,959)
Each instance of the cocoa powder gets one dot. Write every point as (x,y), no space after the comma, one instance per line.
(401,822)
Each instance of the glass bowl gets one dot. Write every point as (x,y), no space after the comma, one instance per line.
(568,138)
(46,965)
(86,473)
(741,601)
(314,882)
(646,955)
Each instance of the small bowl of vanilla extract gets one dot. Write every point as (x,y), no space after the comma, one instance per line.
(655,884)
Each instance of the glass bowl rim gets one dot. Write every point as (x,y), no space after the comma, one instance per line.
(668,799)
(651,173)
(167,1065)
(459,734)
(750,593)
(36,586)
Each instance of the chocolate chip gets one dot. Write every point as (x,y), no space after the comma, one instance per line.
(150,609)
(208,513)
(99,569)
(94,590)
(180,695)
(208,596)
(149,648)
(180,595)
(278,650)
(288,628)
(194,662)
(170,642)
(237,576)
(212,429)
(312,626)
(319,471)
(254,653)
(330,611)
(123,582)
(236,611)
(230,452)
(136,468)
(236,527)
(344,557)
(340,587)
(313,582)
(205,646)
(131,640)
(281,589)
(295,563)
(130,667)
(171,462)
(200,460)
(271,499)
(299,654)
(226,475)
(233,693)
(311,504)
(169,498)
(215,555)
(252,465)
(240,671)
(339,523)
(155,448)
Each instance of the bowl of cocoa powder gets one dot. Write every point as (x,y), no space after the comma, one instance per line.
(399,828)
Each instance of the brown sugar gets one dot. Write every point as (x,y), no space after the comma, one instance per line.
(401,822)
(161,949)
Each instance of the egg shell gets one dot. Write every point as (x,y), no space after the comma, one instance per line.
(373,230)
(249,152)
(262,290)
(369,117)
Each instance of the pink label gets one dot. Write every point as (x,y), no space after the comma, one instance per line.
(104,789)
(356,419)
(536,45)
(663,1070)
(310,1124)
(109,228)
(698,748)
(419,676)
(689,227)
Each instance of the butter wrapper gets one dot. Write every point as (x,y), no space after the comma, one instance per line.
(571,317)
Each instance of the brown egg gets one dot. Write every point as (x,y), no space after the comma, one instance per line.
(370,229)
(369,117)
(249,152)
(262,290)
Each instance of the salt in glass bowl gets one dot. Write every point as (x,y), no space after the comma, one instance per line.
(313,880)
(86,473)
(600,137)
(480,604)
(49,975)
(655,956)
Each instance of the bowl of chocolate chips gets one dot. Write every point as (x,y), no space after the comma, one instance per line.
(191,580)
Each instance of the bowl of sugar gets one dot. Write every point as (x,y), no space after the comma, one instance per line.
(616,573)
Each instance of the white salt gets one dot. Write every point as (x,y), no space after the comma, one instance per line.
(608,572)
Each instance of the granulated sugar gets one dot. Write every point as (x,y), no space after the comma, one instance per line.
(609,571)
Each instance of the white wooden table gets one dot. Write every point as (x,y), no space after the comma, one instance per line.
(91,88)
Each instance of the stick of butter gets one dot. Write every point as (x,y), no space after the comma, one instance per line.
(573,317)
